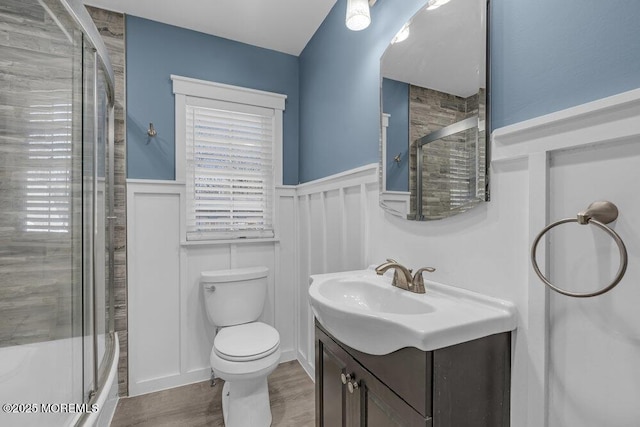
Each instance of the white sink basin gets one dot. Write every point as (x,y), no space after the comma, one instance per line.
(365,312)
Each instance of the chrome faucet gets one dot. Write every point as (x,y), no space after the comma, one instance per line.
(402,276)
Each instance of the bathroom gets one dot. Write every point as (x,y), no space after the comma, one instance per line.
(564,132)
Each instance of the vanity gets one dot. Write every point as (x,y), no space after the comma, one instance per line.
(445,361)
(462,385)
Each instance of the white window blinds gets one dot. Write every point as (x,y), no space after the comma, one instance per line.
(48,176)
(229,170)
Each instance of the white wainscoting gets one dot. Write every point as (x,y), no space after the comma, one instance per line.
(574,361)
(333,235)
(170,334)
(542,169)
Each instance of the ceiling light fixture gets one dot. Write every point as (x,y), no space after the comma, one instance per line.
(402,35)
(434,4)
(358,16)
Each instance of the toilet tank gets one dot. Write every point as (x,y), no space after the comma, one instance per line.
(235,296)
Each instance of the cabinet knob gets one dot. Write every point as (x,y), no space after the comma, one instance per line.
(353,385)
(346,378)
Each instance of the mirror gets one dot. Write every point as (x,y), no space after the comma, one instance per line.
(434,145)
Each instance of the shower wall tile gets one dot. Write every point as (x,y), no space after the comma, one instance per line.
(111,27)
(444,186)
(36,83)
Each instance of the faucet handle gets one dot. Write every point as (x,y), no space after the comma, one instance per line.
(427,269)
(418,281)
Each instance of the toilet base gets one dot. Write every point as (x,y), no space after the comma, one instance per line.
(246,403)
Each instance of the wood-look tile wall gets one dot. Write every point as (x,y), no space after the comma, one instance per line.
(447,163)
(38,177)
(112,29)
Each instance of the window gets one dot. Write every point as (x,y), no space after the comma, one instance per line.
(230,142)
(48,178)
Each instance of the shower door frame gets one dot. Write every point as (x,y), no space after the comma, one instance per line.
(100,61)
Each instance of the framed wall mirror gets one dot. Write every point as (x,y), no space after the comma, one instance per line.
(434,103)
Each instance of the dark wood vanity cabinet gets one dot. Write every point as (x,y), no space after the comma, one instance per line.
(458,386)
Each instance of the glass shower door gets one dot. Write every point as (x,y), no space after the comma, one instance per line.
(56,197)
(41,261)
(97,208)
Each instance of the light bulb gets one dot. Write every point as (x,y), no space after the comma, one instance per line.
(402,34)
(358,16)
(434,4)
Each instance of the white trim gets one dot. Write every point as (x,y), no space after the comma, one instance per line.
(350,178)
(538,301)
(396,202)
(383,159)
(278,136)
(152,182)
(186,86)
(164,383)
(185,243)
(308,368)
(224,92)
(364,224)
(186,89)
(180,137)
(604,120)
(135,304)
(286,190)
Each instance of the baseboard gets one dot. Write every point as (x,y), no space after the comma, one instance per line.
(308,368)
(288,355)
(164,383)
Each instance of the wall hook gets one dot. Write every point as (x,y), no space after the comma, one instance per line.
(398,158)
(151,131)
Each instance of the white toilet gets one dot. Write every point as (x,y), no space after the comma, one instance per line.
(244,351)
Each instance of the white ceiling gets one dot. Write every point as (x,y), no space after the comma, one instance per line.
(282,25)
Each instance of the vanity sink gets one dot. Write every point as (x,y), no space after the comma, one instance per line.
(365,312)
(361,295)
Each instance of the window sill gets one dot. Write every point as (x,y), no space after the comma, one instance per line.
(185,243)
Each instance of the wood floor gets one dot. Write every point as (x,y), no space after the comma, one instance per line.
(290,389)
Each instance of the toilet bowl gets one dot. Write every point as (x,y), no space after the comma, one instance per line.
(244,351)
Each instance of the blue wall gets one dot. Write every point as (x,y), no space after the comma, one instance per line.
(546,55)
(340,89)
(395,101)
(155,51)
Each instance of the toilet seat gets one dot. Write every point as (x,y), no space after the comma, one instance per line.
(246,342)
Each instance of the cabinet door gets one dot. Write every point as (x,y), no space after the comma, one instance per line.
(364,401)
(334,406)
(380,406)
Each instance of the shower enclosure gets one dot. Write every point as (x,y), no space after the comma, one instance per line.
(57,345)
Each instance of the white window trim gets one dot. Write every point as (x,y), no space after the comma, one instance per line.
(184,87)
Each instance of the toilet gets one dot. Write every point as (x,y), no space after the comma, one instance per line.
(244,351)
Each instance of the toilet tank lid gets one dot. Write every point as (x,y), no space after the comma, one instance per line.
(234,275)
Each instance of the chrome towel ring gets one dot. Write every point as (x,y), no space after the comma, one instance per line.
(598,214)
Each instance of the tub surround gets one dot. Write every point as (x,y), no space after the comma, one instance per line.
(36,295)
